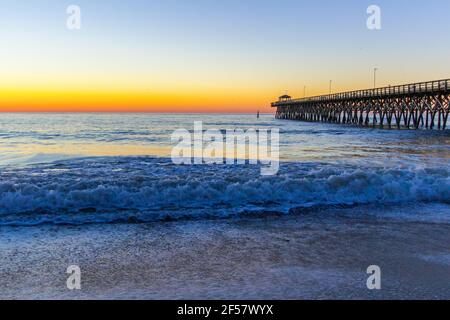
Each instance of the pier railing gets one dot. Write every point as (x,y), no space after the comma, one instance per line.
(424,104)
(391,91)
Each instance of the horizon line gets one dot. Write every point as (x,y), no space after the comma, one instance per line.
(136,112)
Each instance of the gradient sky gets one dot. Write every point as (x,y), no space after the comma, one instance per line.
(210,55)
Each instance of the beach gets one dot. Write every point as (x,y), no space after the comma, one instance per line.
(320,255)
(100,192)
(225,150)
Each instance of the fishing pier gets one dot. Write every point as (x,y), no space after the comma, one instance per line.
(412,106)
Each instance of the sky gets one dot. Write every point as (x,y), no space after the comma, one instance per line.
(211,55)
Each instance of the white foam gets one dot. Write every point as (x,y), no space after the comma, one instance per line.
(150,188)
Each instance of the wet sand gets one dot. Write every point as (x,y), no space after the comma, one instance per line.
(323,255)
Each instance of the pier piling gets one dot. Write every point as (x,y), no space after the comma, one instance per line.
(412,106)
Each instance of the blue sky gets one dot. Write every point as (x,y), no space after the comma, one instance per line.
(250,50)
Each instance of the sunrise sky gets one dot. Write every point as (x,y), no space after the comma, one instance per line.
(210,55)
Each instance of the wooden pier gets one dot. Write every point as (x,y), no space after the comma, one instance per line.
(413,106)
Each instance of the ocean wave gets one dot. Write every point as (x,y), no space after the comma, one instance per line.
(135,189)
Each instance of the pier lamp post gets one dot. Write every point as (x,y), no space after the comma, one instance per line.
(375,77)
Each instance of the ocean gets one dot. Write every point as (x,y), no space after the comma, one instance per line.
(97,178)
(102,168)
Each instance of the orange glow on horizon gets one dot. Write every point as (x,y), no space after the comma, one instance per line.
(116,97)
(116,101)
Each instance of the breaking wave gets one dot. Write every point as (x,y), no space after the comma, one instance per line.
(141,189)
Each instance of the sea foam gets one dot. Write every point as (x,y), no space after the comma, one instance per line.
(120,189)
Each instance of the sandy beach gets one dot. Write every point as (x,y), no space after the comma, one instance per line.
(225,150)
(321,255)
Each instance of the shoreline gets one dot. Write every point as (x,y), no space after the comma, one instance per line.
(314,256)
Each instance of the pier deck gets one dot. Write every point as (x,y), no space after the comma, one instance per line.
(417,105)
